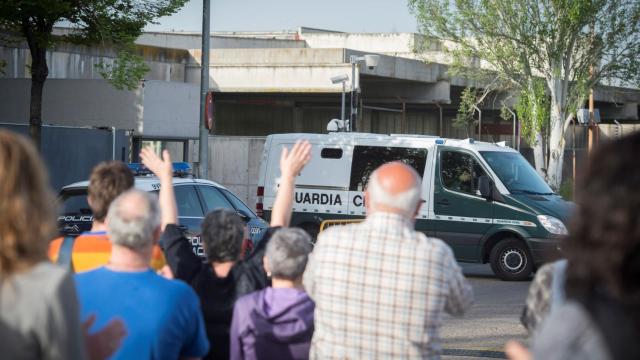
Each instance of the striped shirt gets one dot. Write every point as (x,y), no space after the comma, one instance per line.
(93,249)
(380,290)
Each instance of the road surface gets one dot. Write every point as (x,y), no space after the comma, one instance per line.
(493,319)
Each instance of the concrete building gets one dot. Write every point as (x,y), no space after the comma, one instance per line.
(262,83)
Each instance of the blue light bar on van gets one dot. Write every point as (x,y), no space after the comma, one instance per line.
(180,169)
(439,141)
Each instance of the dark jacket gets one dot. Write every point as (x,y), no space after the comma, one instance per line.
(217,295)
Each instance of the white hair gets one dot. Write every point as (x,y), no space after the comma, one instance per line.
(406,201)
(288,253)
(134,231)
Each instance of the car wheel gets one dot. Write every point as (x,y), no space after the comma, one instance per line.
(510,260)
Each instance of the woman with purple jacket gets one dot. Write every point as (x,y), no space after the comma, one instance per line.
(277,322)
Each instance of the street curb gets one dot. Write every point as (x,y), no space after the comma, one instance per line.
(474,353)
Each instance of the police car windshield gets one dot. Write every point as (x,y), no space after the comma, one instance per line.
(516,173)
(75,203)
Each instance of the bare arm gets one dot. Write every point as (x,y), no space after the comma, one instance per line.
(163,169)
(291,163)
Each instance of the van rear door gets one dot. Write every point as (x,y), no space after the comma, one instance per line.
(462,216)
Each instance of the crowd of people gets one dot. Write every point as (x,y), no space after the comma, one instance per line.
(376,289)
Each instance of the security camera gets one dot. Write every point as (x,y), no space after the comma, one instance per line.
(339,79)
(336,125)
(371,61)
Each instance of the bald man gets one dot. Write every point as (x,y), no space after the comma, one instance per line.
(380,287)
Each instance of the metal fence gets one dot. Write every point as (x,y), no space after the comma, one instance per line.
(71,152)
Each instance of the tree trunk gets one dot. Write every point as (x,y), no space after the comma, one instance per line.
(39,73)
(34,32)
(538,155)
(556,136)
(556,147)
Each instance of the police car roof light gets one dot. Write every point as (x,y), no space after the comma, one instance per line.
(440,141)
(138,169)
(180,169)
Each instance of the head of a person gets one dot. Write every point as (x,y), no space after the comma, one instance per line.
(603,247)
(222,235)
(394,187)
(27,205)
(108,180)
(133,220)
(287,254)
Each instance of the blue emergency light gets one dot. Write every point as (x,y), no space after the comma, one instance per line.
(180,169)
(440,142)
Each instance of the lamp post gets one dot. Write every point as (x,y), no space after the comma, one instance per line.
(371,61)
(479,122)
(203,148)
(337,80)
(513,142)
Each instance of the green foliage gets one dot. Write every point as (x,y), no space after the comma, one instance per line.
(107,23)
(556,40)
(533,110)
(464,117)
(125,72)
(566,190)
(569,46)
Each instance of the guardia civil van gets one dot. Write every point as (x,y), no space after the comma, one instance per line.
(483,199)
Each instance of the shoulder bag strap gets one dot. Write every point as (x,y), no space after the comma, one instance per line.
(66,249)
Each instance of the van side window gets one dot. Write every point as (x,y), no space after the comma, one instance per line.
(368,158)
(329,153)
(460,172)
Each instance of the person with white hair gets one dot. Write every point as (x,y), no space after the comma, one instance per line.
(277,322)
(162,317)
(380,287)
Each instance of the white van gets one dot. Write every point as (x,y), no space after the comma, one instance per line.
(483,199)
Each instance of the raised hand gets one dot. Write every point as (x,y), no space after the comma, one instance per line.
(292,161)
(162,168)
(104,343)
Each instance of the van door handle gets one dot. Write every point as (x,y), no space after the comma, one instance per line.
(444,202)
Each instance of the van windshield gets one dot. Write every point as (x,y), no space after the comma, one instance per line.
(516,173)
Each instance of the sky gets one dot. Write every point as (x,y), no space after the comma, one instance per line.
(275,15)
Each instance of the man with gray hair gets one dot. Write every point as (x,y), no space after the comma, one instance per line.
(380,287)
(277,322)
(162,317)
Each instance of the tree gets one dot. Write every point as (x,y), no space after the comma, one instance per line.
(116,23)
(571,45)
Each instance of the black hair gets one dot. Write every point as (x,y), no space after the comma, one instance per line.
(222,235)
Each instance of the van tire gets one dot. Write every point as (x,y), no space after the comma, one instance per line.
(511,260)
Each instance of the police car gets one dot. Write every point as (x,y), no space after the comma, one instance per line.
(483,199)
(194,197)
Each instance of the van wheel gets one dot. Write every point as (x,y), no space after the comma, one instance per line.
(510,260)
(312,229)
